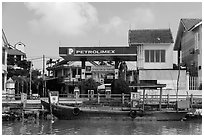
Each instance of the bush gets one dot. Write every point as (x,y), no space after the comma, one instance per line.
(87,85)
(120,86)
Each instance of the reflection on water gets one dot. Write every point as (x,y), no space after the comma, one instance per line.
(102,127)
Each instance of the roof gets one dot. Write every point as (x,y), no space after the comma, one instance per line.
(190,23)
(15,52)
(185,25)
(150,36)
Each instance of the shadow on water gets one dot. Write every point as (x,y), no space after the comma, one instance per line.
(102,127)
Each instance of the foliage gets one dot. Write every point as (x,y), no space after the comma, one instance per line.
(21,76)
(120,86)
(122,70)
(88,84)
(23,70)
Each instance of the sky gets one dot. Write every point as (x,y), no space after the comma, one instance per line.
(44,27)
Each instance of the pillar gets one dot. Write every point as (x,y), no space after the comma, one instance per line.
(143,102)
(187,80)
(123,98)
(116,69)
(160,99)
(83,65)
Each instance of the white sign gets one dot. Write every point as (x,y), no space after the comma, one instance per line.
(95,52)
(83,74)
(54,97)
(23,98)
(135,95)
(70,51)
(116,73)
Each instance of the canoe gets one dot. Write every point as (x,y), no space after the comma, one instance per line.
(63,112)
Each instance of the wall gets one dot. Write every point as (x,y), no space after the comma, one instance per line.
(168,64)
(200,54)
(188,44)
(4,67)
(168,77)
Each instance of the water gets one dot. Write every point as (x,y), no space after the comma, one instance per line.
(102,127)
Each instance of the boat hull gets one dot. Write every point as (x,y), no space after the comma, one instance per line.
(71,113)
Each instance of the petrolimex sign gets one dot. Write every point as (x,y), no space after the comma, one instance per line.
(72,51)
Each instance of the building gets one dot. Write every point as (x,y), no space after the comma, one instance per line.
(151,49)
(15,53)
(67,74)
(155,57)
(4,61)
(189,46)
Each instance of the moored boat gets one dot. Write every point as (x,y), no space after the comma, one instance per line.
(69,113)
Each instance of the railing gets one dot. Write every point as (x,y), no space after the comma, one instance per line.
(122,98)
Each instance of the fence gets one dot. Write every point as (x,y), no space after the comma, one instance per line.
(167,99)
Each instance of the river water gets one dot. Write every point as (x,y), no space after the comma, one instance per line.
(102,127)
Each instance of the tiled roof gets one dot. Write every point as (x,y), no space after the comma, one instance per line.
(15,52)
(189,23)
(184,25)
(150,36)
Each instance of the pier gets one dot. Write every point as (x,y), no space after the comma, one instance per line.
(33,106)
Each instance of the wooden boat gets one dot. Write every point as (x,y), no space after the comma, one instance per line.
(70,113)
(196,115)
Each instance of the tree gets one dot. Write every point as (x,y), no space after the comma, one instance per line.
(87,85)
(122,70)
(120,86)
(23,70)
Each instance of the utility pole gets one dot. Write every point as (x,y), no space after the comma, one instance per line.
(30,78)
(43,75)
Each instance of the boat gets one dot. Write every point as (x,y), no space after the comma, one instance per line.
(63,112)
(194,115)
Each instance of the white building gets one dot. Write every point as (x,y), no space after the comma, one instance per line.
(155,57)
(188,45)
(4,61)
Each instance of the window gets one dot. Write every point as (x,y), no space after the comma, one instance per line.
(151,55)
(162,55)
(155,56)
(146,55)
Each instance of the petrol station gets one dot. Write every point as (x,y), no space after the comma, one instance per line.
(83,54)
(92,54)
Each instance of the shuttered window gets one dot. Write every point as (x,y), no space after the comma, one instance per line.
(155,56)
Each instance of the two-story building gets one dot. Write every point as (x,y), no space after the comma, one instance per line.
(155,57)
(189,46)
(16,53)
(4,61)
(65,75)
